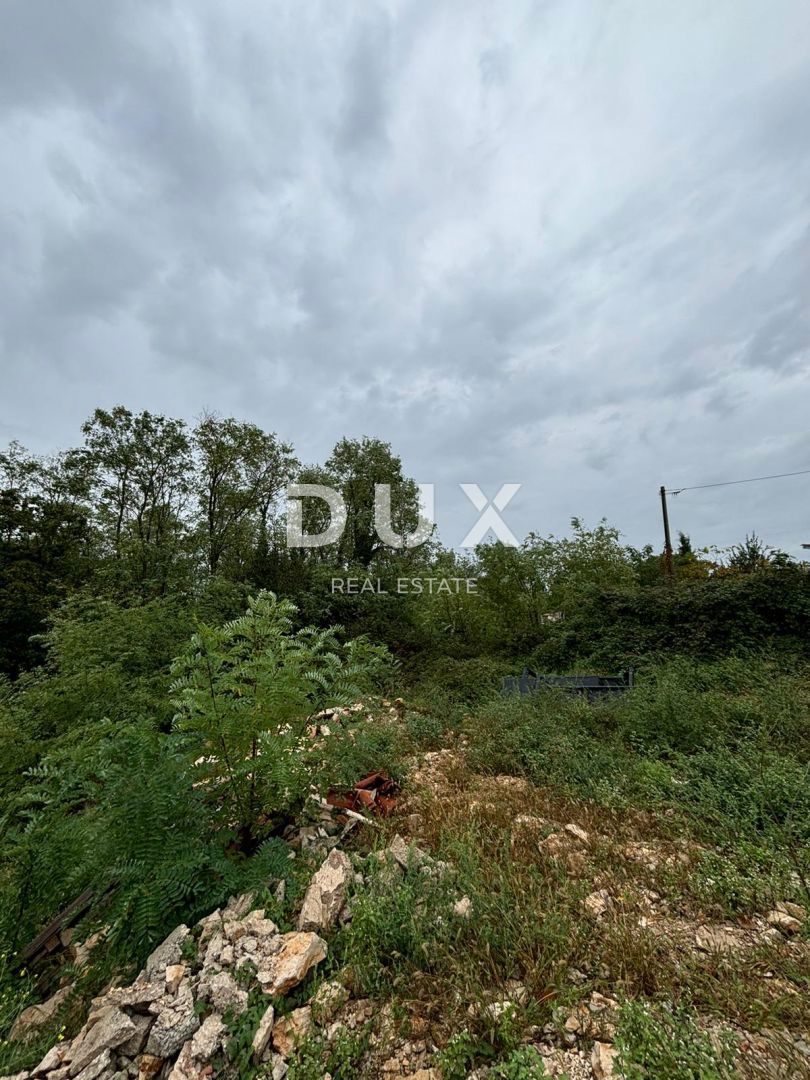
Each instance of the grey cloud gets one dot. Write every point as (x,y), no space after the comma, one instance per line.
(365,109)
(559,248)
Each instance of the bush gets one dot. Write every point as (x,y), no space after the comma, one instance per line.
(160,824)
(244,693)
(461,683)
(123,817)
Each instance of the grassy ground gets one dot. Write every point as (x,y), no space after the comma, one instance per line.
(530,940)
(687,812)
(615,866)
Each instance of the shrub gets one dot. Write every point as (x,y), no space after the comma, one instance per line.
(244,693)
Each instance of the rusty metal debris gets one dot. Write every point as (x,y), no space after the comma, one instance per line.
(376,793)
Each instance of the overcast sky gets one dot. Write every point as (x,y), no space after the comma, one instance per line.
(562,243)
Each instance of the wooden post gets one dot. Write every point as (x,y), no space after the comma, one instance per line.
(667,538)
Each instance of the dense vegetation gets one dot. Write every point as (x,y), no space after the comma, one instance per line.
(161,651)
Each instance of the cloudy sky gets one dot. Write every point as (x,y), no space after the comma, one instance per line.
(562,243)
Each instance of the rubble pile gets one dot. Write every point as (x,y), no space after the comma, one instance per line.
(175,1020)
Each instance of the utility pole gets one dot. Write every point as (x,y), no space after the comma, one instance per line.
(667,538)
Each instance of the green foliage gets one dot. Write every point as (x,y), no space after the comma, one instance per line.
(736,614)
(522,585)
(120,806)
(463,683)
(244,693)
(339,1058)
(241,473)
(659,1041)
(354,467)
(404,935)
(239,1050)
(464,1052)
(724,744)
(45,549)
(553,739)
(752,554)
(684,706)
(137,467)
(103,662)
(120,816)
(522,1064)
(395,928)
(461,1054)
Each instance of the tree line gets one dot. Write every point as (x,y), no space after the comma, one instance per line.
(150,510)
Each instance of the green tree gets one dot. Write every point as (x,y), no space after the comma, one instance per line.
(753,554)
(46,546)
(545,575)
(241,473)
(140,469)
(353,468)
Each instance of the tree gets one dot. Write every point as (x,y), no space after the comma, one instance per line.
(523,584)
(354,467)
(46,546)
(752,554)
(140,468)
(684,545)
(242,471)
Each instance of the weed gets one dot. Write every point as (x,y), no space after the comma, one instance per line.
(339,1057)
(666,1043)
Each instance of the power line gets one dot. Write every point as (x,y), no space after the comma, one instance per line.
(730,483)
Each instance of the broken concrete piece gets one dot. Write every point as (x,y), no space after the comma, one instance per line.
(225,996)
(174,976)
(603,1061)
(207,1041)
(175,1025)
(137,1041)
(169,952)
(108,1030)
(407,854)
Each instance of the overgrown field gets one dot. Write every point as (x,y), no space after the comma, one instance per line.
(642,861)
(690,794)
